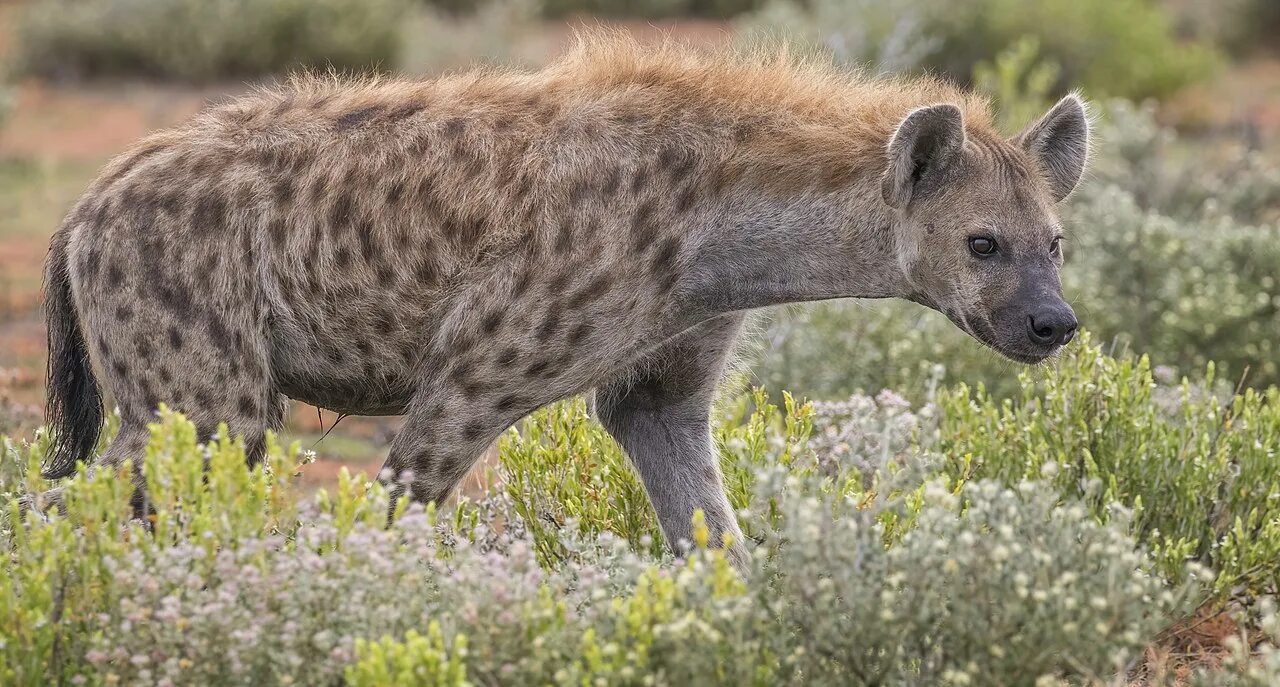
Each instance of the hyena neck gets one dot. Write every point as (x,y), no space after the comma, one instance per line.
(773,249)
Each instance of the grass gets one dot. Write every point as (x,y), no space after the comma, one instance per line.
(34,194)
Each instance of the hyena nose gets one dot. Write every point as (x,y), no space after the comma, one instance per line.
(1054,326)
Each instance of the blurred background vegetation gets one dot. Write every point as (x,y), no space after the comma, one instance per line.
(1174,239)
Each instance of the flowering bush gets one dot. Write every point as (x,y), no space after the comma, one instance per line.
(1199,468)
(894,545)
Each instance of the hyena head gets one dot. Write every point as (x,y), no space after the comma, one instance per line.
(977,236)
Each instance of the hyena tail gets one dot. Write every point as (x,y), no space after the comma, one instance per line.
(74,409)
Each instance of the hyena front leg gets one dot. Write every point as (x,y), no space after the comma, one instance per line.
(660,414)
(440,442)
(463,403)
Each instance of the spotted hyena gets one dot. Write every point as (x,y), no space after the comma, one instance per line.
(465,250)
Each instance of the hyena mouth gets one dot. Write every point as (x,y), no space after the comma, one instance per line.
(984,333)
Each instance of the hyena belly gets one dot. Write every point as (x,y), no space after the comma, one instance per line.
(345,336)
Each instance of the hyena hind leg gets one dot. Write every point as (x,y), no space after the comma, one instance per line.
(129,442)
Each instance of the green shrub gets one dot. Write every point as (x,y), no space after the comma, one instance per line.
(1108,47)
(234,580)
(206,39)
(1199,469)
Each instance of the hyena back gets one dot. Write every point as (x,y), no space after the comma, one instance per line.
(464,251)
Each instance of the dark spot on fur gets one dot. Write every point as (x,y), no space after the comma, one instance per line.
(471,388)
(368,242)
(247,406)
(384,322)
(209,212)
(143,346)
(593,290)
(474,430)
(91,262)
(470,231)
(454,128)
(668,282)
(462,371)
(564,238)
(124,312)
(511,402)
(204,274)
(357,117)
(386,276)
(121,368)
(666,256)
(115,276)
(668,156)
(492,321)
(559,282)
(176,298)
(578,333)
(687,198)
(284,105)
(522,283)
(405,111)
(175,339)
(640,180)
(579,192)
(394,191)
(643,226)
(682,168)
(340,212)
(611,182)
(342,258)
(537,369)
(508,356)
(219,334)
(283,191)
(548,327)
(425,272)
(149,397)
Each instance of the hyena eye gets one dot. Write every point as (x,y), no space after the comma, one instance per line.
(1055,247)
(983,246)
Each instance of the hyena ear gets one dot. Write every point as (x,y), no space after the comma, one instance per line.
(927,141)
(1060,141)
